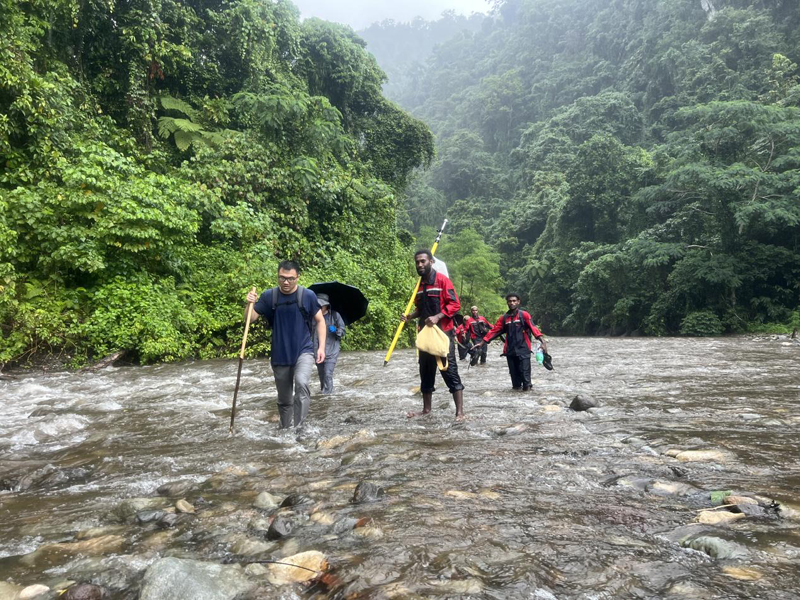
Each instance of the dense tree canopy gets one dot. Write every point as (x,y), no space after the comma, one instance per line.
(634,162)
(157,157)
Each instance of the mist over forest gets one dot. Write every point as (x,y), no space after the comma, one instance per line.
(628,166)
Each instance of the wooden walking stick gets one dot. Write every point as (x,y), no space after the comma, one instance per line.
(241,359)
(411,302)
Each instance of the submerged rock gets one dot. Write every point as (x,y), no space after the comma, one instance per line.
(307,566)
(176,488)
(106,544)
(671,488)
(716,547)
(149,516)
(702,456)
(366,492)
(173,578)
(742,573)
(582,402)
(126,510)
(84,591)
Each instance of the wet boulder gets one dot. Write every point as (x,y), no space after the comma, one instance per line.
(671,488)
(582,402)
(280,527)
(176,489)
(171,578)
(149,516)
(297,568)
(718,517)
(266,501)
(51,476)
(125,511)
(366,492)
(295,500)
(36,590)
(84,591)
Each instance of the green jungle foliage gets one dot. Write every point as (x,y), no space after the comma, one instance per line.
(158,157)
(634,163)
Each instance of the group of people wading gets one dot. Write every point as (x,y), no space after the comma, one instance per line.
(306,331)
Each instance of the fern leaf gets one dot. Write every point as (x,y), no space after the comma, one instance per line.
(170,103)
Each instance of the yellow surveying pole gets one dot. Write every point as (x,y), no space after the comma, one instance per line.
(411,302)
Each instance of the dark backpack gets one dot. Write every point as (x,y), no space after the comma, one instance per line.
(300,307)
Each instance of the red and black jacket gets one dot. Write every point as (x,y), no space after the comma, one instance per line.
(476,332)
(518,327)
(437,295)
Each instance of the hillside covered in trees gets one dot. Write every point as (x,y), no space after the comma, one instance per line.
(634,164)
(157,158)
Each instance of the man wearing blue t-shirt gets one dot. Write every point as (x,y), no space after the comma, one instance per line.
(291,311)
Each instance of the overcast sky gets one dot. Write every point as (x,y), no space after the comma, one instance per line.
(361,13)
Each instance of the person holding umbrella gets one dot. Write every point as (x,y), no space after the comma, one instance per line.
(334,324)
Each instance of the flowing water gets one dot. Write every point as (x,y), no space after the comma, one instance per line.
(525,499)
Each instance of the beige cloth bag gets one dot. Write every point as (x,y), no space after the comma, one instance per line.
(434,341)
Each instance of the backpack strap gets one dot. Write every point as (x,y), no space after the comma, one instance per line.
(303,312)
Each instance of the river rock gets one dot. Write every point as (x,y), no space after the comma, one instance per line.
(294,500)
(125,511)
(311,564)
(106,544)
(266,501)
(716,547)
(366,492)
(323,518)
(84,591)
(9,591)
(718,517)
(754,511)
(149,516)
(281,527)
(671,488)
(702,456)
(182,506)
(739,500)
(32,591)
(369,532)
(51,476)
(246,546)
(345,524)
(742,573)
(175,489)
(582,402)
(93,532)
(174,578)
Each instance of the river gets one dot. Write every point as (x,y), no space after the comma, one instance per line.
(525,499)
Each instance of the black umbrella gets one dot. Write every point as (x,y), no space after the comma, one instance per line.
(345,299)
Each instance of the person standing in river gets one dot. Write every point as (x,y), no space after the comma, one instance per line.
(334,324)
(478,327)
(519,328)
(292,311)
(436,303)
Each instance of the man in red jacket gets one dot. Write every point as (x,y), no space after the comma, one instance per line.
(436,303)
(519,328)
(478,327)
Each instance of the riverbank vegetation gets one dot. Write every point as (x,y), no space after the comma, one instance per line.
(633,163)
(158,157)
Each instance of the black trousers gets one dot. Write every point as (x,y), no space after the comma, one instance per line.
(479,353)
(428,369)
(519,367)
(463,349)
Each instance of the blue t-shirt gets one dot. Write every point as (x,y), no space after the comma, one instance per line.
(290,332)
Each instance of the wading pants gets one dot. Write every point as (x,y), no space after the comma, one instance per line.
(325,371)
(294,395)
(519,367)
